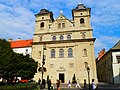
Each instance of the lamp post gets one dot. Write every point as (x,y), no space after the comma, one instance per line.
(88,71)
(43,61)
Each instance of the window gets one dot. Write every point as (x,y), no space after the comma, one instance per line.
(52,53)
(61,37)
(59,25)
(26,52)
(42,17)
(61,53)
(83,35)
(81,21)
(54,38)
(118,59)
(84,52)
(40,38)
(63,25)
(70,52)
(42,25)
(68,37)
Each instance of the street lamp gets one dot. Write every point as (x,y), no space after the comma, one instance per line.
(43,61)
(88,70)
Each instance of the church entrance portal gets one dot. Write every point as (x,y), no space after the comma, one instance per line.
(62,77)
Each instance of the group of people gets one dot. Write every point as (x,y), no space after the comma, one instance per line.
(51,87)
(77,84)
(49,84)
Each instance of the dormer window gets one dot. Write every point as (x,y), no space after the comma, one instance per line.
(42,25)
(63,25)
(59,25)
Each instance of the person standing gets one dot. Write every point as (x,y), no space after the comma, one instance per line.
(58,84)
(77,84)
(69,85)
(39,81)
(49,84)
(94,87)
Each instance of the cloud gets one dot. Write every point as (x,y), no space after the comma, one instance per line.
(17,18)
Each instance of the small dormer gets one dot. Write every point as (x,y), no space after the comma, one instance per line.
(81,16)
(43,19)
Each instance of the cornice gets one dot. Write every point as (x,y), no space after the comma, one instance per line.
(63,32)
(64,41)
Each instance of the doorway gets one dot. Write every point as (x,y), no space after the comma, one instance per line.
(62,77)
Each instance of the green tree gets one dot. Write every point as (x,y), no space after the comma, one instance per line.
(15,65)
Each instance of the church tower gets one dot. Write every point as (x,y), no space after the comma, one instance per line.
(81,16)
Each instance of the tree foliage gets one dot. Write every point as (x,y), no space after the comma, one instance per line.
(15,65)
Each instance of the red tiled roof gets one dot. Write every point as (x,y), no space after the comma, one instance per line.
(21,43)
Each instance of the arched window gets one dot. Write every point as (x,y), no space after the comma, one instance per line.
(63,25)
(61,53)
(84,52)
(70,52)
(42,25)
(59,25)
(82,21)
(61,37)
(68,37)
(54,38)
(53,53)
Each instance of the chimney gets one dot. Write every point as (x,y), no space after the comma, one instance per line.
(101,53)
(10,40)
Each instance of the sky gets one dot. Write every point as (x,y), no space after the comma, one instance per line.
(17,18)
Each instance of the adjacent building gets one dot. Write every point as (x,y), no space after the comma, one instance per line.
(66,45)
(22,46)
(108,65)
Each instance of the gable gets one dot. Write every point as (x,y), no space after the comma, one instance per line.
(61,23)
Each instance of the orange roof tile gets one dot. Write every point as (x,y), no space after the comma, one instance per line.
(21,43)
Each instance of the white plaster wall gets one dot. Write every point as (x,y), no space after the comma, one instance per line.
(116,67)
(23,50)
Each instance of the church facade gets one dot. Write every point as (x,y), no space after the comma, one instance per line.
(67,46)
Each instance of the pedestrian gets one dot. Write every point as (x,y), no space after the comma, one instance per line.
(43,83)
(94,87)
(49,84)
(39,81)
(77,84)
(69,85)
(58,84)
(84,83)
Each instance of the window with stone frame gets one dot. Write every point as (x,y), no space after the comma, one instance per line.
(70,52)
(42,25)
(68,37)
(63,25)
(59,25)
(61,53)
(53,53)
(61,37)
(84,53)
(82,22)
(54,38)
(118,58)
